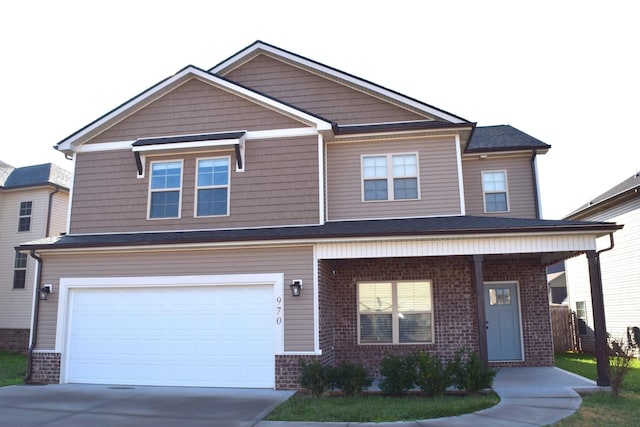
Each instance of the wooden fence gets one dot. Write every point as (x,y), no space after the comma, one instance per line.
(564,324)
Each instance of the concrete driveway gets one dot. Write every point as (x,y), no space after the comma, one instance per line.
(72,405)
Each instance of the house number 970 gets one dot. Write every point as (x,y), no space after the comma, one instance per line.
(279,311)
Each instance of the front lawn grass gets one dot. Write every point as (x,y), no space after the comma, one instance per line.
(13,368)
(377,408)
(602,409)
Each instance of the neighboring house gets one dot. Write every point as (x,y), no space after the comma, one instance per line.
(620,266)
(33,204)
(227,223)
(557,280)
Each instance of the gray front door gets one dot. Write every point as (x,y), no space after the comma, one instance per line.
(504,338)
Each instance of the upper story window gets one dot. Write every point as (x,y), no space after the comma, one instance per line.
(395,312)
(494,189)
(213,187)
(24,218)
(164,189)
(19,271)
(390,177)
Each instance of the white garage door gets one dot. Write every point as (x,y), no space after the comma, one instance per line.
(209,336)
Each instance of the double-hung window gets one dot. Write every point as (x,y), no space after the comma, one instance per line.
(24,218)
(494,189)
(165,188)
(19,271)
(213,187)
(390,177)
(395,312)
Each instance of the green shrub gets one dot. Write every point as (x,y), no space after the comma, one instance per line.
(315,377)
(432,375)
(352,379)
(468,373)
(398,372)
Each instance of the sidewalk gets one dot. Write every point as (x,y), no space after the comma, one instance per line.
(528,397)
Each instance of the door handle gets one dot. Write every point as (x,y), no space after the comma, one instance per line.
(486,324)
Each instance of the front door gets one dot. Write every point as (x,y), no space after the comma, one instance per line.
(504,337)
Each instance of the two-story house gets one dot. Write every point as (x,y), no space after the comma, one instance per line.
(620,266)
(33,205)
(227,223)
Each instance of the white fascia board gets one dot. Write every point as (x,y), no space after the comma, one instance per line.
(321,125)
(338,75)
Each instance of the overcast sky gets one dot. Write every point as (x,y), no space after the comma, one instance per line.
(565,72)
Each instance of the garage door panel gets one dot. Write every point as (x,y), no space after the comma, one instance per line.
(217,336)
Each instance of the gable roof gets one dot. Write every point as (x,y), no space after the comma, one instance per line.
(259,46)
(168,84)
(32,176)
(415,227)
(628,188)
(503,138)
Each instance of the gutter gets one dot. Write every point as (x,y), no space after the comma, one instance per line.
(49,211)
(34,326)
(534,178)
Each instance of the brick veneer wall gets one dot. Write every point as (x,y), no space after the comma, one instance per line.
(45,368)
(455,308)
(14,340)
(534,306)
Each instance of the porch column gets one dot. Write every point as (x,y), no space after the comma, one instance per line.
(599,323)
(482,317)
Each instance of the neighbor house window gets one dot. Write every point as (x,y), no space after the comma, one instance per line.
(390,177)
(213,187)
(24,218)
(19,271)
(494,188)
(165,186)
(395,312)
(581,314)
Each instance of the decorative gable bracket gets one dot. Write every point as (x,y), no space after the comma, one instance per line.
(189,143)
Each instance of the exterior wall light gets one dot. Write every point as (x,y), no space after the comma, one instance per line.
(44,292)
(296,286)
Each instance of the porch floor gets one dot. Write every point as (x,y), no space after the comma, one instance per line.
(531,396)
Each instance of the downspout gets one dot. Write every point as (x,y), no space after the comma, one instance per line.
(34,326)
(534,177)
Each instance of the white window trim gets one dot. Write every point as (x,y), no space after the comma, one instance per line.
(151,191)
(389,177)
(484,193)
(228,187)
(395,319)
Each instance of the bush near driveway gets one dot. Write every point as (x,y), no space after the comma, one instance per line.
(13,368)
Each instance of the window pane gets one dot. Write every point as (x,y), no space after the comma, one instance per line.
(19,279)
(375,328)
(213,172)
(415,327)
(212,201)
(375,189)
(165,204)
(165,175)
(405,165)
(25,208)
(375,297)
(494,181)
(414,296)
(496,202)
(374,167)
(21,260)
(405,188)
(24,223)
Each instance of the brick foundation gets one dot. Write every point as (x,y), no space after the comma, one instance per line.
(45,368)
(14,340)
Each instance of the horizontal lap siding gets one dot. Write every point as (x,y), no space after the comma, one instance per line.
(319,95)
(438,180)
(294,262)
(519,183)
(196,107)
(279,187)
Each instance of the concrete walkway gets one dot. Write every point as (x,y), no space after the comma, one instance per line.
(528,397)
